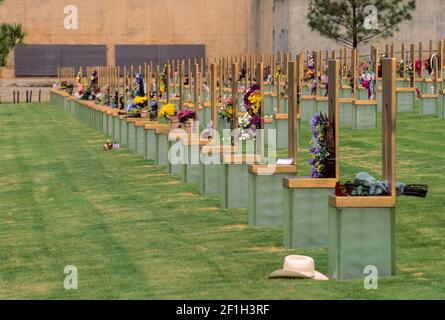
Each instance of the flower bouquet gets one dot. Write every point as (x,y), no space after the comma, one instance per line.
(321,148)
(366,185)
(185,118)
(103,97)
(167,113)
(138,104)
(251,120)
(226,110)
(153,110)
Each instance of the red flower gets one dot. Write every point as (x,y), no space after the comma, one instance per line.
(339,190)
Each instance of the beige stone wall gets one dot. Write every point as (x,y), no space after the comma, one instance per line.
(228,27)
(223,26)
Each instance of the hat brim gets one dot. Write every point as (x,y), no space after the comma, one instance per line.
(280,274)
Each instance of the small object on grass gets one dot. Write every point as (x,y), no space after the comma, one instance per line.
(366,185)
(110,145)
(415,190)
(298,267)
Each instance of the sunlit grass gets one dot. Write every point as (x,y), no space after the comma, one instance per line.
(136,233)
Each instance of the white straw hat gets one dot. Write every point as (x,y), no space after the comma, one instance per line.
(300,267)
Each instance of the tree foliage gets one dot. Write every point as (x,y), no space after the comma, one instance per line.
(345,20)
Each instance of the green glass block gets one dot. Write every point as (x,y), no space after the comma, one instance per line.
(282,133)
(104,124)
(345,93)
(223,124)
(99,120)
(124,132)
(209,181)
(116,129)
(140,141)
(403,83)
(305,217)
(365,117)
(322,106)
(361,237)
(205,117)
(428,106)
(131,136)
(268,87)
(441,106)
(265,199)
(162,147)
(308,108)
(234,186)
(379,100)
(284,105)
(363,94)
(405,101)
(177,168)
(110,125)
(150,145)
(269,105)
(192,168)
(346,114)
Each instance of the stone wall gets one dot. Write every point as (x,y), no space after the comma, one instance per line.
(229,27)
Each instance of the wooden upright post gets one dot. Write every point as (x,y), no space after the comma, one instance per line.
(260,82)
(421,59)
(213,94)
(181,85)
(375,66)
(235,96)
(196,92)
(168,82)
(299,83)
(413,62)
(403,59)
(221,79)
(124,86)
(293,112)
(389,124)
(354,72)
(334,110)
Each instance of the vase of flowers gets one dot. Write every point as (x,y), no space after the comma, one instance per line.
(138,104)
(185,119)
(251,120)
(167,113)
(322,161)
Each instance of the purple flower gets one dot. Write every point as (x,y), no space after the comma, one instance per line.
(314,173)
(256,121)
(314,121)
(247,94)
(185,114)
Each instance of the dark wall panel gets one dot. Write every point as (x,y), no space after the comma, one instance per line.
(135,55)
(43,60)
(127,55)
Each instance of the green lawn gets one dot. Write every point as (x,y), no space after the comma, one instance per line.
(135,232)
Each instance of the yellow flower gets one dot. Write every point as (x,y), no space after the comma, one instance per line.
(140,100)
(256,101)
(162,89)
(167,110)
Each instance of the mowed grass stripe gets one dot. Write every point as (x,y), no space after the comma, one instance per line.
(135,232)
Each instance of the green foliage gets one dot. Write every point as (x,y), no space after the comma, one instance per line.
(10,36)
(343,20)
